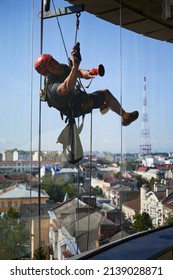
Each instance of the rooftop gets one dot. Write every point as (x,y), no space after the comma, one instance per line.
(21,191)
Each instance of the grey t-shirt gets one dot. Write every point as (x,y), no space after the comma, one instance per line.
(59,102)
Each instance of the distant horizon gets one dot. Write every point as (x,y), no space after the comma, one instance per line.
(94,152)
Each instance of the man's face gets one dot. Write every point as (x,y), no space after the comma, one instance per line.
(54,67)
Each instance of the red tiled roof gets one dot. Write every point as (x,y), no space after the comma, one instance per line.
(133,203)
(18,178)
(142,169)
(161,195)
(168,201)
(164,166)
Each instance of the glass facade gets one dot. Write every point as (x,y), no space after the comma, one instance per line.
(52,209)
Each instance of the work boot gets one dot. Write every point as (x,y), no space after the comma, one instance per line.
(128,118)
(104,109)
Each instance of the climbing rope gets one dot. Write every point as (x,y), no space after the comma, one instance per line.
(61,33)
(31,123)
(121,101)
(77,25)
(39,132)
(60,30)
(78,85)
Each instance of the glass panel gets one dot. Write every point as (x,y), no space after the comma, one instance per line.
(50,208)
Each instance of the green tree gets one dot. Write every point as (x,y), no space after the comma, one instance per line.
(39,254)
(57,187)
(139,180)
(117,175)
(169,220)
(97,191)
(100,175)
(13,236)
(142,221)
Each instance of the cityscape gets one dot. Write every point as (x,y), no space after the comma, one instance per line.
(103,193)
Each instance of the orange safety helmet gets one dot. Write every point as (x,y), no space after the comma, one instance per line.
(42,62)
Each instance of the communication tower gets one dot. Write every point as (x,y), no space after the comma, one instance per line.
(145,144)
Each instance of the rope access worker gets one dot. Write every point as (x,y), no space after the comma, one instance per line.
(61,82)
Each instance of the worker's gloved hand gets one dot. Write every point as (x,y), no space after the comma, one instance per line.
(76,52)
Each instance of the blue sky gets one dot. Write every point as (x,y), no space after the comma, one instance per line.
(127,58)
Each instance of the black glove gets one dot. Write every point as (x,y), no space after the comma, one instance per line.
(76,51)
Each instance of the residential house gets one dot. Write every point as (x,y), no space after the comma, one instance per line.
(37,220)
(7,180)
(154,201)
(17,194)
(101,184)
(148,174)
(168,206)
(131,206)
(119,193)
(75,228)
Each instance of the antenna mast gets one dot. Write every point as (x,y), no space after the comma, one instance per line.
(145,145)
